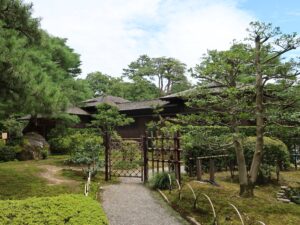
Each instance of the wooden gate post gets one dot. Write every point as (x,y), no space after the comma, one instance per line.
(199,168)
(211,170)
(177,157)
(107,143)
(145,155)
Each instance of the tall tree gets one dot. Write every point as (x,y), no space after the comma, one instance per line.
(164,72)
(37,70)
(269,96)
(108,118)
(223,98)
(137,89)
(270,45)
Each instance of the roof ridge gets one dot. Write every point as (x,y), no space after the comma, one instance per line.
(158,99)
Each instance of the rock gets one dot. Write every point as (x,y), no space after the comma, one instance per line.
(284,187)
(34,146)
(284,200)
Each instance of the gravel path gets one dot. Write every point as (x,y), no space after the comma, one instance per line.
(130,203)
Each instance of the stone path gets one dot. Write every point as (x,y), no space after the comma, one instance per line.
(130,203)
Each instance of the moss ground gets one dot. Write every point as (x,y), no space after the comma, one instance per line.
(263,207)
(21,179)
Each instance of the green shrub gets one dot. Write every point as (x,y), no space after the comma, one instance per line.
(86,149)
(64,209)
(274,151)
(45,153)
(2,143)
(63,143)
(14,129)
(7,153)
(161,181)
(198,143)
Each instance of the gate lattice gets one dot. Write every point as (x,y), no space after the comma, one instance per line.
(133,157)
(124,157)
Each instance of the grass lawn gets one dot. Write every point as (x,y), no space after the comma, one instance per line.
(48,192)
(263,207)
(22,179)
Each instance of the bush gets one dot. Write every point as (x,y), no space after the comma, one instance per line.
(63,143)
(275,151)
(161,181)
(64,209)
(14,129)
(196,144)
(2,143)
(86,149)
(44,153)
(7,153)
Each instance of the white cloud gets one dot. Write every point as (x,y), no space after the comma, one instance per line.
(109,34)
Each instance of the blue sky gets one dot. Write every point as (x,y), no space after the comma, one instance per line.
(109,34)
(282,13)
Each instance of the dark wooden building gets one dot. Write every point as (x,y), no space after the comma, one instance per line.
(141,111)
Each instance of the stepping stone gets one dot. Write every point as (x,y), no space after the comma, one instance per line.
(284,200)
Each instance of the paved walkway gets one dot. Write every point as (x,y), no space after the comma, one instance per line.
(130,203)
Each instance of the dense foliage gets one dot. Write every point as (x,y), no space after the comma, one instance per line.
(197,143)
(7,153)
(43,82)
(108,118)
(135,90)
(162,181)
(167,73)
(64,209)
(85,147)
(275,151)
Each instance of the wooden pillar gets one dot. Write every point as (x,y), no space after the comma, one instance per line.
(295,156)
(145,151)
(211,170)
(199,168)
(162,153)
(277,170)
(177,156)
(107,143)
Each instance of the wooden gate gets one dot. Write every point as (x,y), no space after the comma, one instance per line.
(163,154)
(141,157)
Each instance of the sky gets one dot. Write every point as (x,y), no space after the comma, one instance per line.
(109,34)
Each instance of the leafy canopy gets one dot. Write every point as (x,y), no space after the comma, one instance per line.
(108,118)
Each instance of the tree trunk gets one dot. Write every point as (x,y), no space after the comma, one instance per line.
(256,161)
(246,190)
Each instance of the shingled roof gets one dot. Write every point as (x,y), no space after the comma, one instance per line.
(213,87)
(77,111)
(147,104)
(104,99)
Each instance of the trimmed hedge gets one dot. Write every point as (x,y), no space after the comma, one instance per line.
(195,146)
(274,151)
(7,153)
(63,209)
